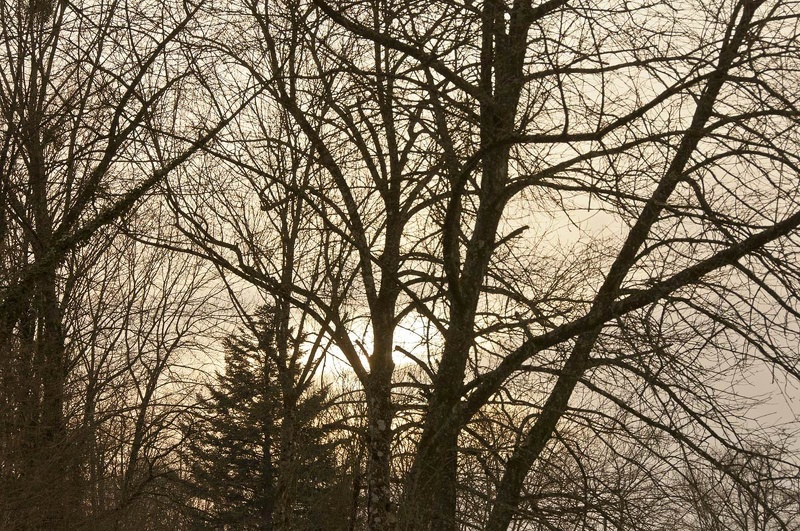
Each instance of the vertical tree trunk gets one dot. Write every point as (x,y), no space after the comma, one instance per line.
(379,504)
(380,413)
(52,459)
(52,454)
(429,502)
(286,480)
(267,497)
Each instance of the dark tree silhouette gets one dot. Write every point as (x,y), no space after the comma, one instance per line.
(581,199)
(554,243)
(90,94)
(260,458)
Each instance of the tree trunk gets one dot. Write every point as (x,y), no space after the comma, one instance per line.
(55,496)
(52,494)
(380,511)
(286,481)
(429,502)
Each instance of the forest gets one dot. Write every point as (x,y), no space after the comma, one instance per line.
(400,265)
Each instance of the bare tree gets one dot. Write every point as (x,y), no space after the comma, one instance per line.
(665,119)
(443,164)
(766,498)
(579,103)
(89,92)
(136,374)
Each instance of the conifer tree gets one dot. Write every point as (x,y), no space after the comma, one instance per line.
(260,457)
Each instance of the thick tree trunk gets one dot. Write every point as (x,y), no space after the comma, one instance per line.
(381,514)
(380,509)
(54,459)
(49,479)
(429,502)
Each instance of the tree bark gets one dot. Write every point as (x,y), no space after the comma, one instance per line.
(380,413)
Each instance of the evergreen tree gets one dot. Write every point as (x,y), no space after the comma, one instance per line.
(259,457)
